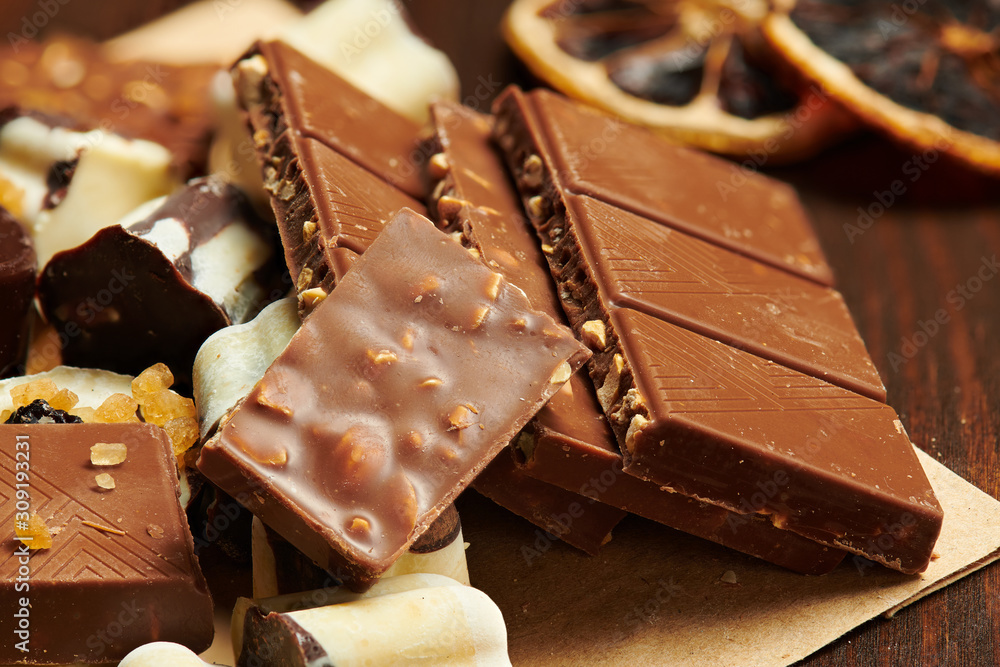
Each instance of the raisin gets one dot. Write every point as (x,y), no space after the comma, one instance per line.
(40,412)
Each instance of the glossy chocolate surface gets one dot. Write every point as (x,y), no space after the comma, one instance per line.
(717,422)
(398,389)
(328,207)
(17,284)
(679,278)
(587,152)
(129,298)
(127,576)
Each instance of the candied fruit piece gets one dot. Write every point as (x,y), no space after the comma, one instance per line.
(151,382)
(86,415)
(167,405)
(183,433)
(108,453)
(34,533)
(40,412)
(105,481)
(64,399)
(117,409)
(23,394)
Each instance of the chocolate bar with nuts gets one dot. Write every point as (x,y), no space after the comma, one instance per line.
(336,163)
(101,560)
(154,290)
(675,275)
(399,388)
(17,283)
(569,445)
(579,149)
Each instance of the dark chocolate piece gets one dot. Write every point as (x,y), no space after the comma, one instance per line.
(69,77)
(129,298)
(17,285)
(329,209)
(396,392)
(121,570)
(554,143)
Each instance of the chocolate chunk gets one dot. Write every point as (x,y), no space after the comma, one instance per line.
(596,472)
(679,278)
(398,389)
(571,428)
(714,422)
(153,292)
(330,169)
(107,584)
(554,143)
(17,284)
(40,412)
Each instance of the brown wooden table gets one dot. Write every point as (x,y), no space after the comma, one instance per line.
(931,322)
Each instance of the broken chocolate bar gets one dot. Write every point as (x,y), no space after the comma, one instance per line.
(120,570)
(336,171)
(155,290)
(400,387)
(17,285)
(475,198)
(555,143)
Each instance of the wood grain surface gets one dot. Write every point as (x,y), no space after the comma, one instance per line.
(919,261)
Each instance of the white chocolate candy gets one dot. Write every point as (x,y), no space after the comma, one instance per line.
(114,175)
(232,360)
(327,596)
(91,386)
(442,625)
(161,654)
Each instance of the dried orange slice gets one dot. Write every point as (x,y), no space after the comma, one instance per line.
(691,69)
(925,71)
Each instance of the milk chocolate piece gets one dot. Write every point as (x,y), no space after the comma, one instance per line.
(17,285)
(571,445)
(154,291)
(121,570)
(402,384)
(681,279)
(473,196)
(70,77)
(714,422)
(581,150)
(329,209)
(596,472)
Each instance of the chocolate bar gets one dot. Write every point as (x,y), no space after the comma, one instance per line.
(440,624)
(71,78)
(706,419)
(403,384)
(581,150)
(17,284)
(325,168)
(569,443)
(120,570)
(155,290)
